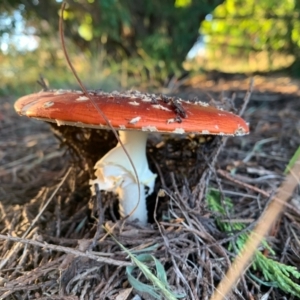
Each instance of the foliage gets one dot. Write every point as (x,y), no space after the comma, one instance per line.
(19,71)
(162,30)
(275,273)
(159,282)
(245,27)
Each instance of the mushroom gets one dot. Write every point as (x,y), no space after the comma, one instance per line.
(134,115)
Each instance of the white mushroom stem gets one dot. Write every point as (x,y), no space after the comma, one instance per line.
(115,173)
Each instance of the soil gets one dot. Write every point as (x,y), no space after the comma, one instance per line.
(65,251)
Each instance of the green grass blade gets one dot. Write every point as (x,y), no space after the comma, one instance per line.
(292,161)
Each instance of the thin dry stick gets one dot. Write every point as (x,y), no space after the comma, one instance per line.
(17,246)
(255,189)
(264,224)
(100,112)
(67,250)
(247,97)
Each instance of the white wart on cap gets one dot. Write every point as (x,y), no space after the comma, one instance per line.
(134,114)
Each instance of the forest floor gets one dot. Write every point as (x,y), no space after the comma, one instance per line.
(64,251)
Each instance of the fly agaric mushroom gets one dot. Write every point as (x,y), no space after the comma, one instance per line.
(133,114)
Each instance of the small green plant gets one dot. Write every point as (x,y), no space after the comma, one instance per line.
(275,273)
(159,288)
(292,161)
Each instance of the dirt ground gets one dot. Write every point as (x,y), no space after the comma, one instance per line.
(66,254)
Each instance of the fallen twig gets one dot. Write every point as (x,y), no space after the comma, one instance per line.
(66,250)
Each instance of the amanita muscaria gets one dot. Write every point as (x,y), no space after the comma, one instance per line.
(133,114)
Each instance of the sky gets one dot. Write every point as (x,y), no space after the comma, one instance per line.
(23,39)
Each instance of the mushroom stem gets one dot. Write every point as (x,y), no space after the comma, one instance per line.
(115,173)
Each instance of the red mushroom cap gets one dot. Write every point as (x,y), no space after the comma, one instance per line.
(130,110)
